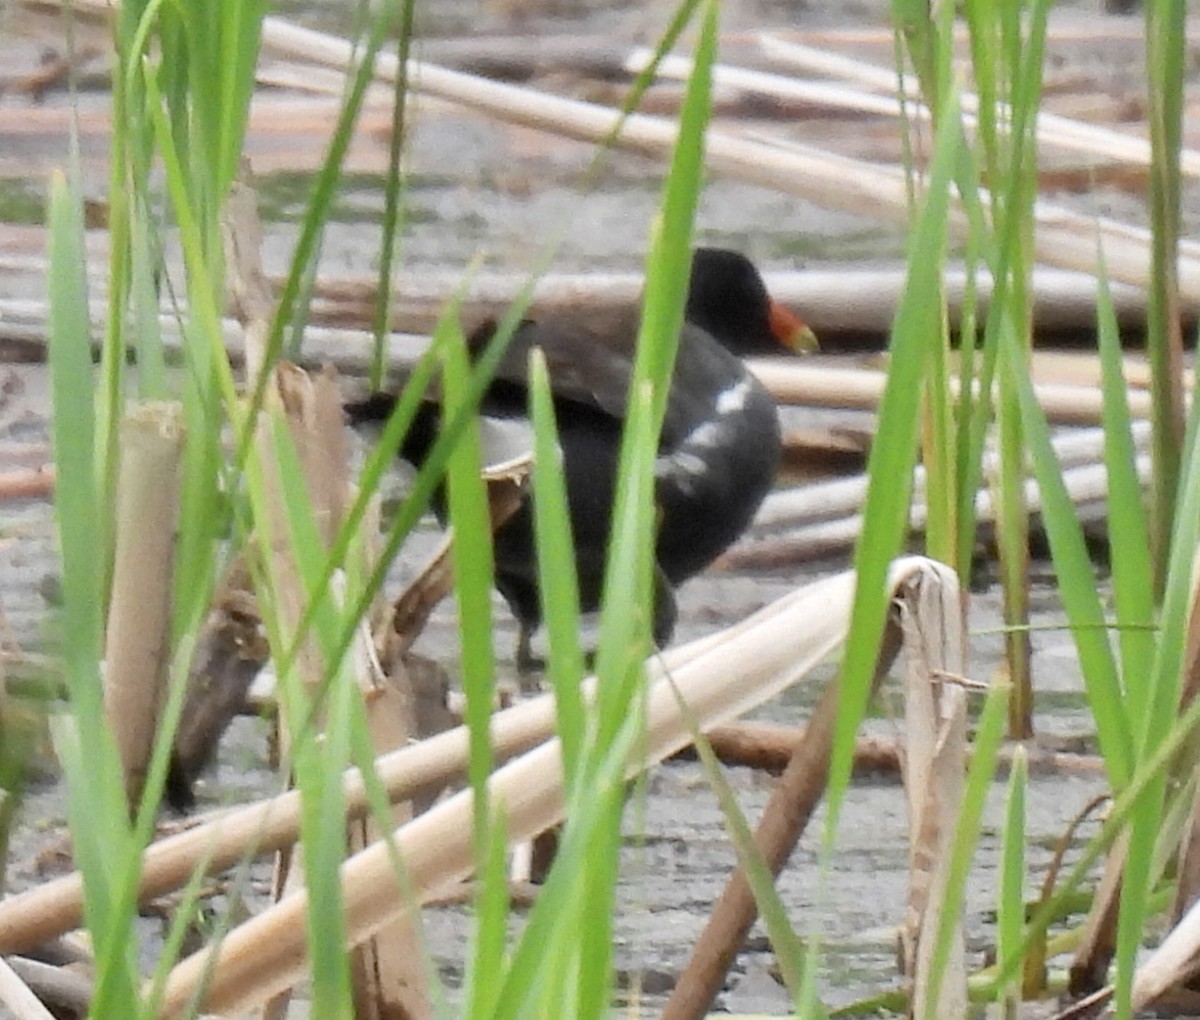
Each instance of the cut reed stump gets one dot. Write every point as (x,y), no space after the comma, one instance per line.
(137,641)
(934,622)
(388,976)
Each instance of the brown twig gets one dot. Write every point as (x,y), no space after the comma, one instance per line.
(411,611)
(32,484)
(783,822)
(520,894)
(230,651)
(58,986)
(769,746)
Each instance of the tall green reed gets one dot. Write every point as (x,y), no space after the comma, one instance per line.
(1166,35)
(182,92)
(1135,720)
(571,970)
(916,348)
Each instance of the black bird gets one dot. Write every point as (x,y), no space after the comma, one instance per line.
(718,453)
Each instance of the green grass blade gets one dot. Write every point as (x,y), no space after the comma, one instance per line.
(473,572)
(1145,779)
(240,22)
(317,755)
(1157,726)
(96,802)
(1010,912)
(1145,826)
(390,228)
(324,185)
(546,961)
(563,963)
(624,638)
(1076,579)
(74,450)
(318,770)
(1130,556)
(1166,62)
(594,983)
(890,467)
(890,470)
(558,579)
(490,934)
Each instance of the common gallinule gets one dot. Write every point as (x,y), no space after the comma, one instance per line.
(718,453)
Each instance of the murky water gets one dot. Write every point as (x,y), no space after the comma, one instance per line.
(476,187)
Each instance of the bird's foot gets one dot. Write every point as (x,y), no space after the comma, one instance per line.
(530,667)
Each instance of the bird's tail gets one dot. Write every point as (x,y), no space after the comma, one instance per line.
(422,431)
(376,407)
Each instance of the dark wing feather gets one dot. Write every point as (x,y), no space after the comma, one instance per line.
(593,370)
(585,367)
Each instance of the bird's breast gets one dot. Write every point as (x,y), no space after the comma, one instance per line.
(732,444)
(712,480)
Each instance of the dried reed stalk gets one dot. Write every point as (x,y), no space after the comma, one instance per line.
(137,641)
(1176,960)
(835,499)
(1063,238)
(17,997)
(823,518)
(778,86)
(860,389)
(1083,368)
(1052,129)
(935,711)
(767,652)
(850,300)
(56,985)
(46,911)
(1086,485)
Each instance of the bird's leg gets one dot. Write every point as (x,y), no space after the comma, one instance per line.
(527,662)
(665,611)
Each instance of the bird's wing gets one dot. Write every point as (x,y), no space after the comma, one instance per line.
(592,369)
(585,367)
